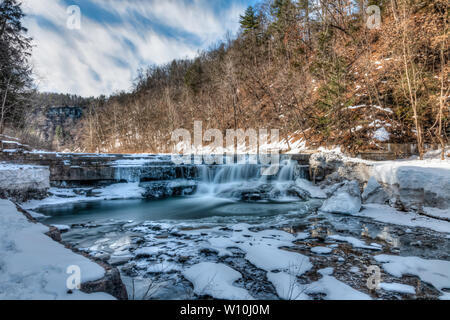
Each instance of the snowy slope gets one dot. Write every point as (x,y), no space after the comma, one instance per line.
(33,266)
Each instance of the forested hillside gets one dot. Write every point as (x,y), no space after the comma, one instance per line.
(316,70)
(322,71)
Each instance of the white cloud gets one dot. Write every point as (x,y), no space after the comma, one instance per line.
(98,58)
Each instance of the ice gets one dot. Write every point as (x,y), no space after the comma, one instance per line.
(321,250)
(346,200)
(216,280)
(118,191)
(121,191)
(315,191)
(431,175)
(434,272)
(147,251)
(397,287)
(356,243)
(390,215)
(270,259)
(33,266)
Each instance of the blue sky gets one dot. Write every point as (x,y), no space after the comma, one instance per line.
(119,36)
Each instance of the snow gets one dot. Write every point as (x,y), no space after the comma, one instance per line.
(61,228)
(382,135)
(216,280)
(438,213)
(355,270)
(262,249)
(356,243)
(335,289)
(434,272)
(287,286)
(33,266)
(270,259)
(388,110)
(321,250)
(397,287)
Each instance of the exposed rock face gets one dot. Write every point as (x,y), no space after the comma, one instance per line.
(22,183)
(324,164)
(57,124)
(111,284)
(346,199)
(166,189)
(264,192)
(335,168)
(374,193)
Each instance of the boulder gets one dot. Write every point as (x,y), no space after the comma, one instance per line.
(374,193)
(346,199)
(324,164)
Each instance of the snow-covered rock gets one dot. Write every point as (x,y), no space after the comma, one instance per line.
(23,182)
(416,183)
(374,193)
(411,184)
(346,199)
(434,272)
(216,280)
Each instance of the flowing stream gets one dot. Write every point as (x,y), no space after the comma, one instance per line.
(235,211)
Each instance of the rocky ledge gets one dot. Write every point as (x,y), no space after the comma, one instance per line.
(408,185)
(23,182)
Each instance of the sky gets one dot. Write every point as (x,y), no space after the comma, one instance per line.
(114,38)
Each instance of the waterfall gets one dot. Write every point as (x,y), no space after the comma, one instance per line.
(127,174)
(218,179)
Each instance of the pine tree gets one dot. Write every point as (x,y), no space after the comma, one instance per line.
(249,21)
(15,73)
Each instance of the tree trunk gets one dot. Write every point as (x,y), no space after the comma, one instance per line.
(3,110)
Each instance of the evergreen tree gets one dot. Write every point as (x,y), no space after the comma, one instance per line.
(249,21)
(15,73)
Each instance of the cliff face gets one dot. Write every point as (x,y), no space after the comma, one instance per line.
(23,182)
(57,125)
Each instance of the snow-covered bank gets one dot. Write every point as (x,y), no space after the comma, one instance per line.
(22,182)
(34,267)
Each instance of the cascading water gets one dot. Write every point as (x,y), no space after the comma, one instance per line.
(249,181)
